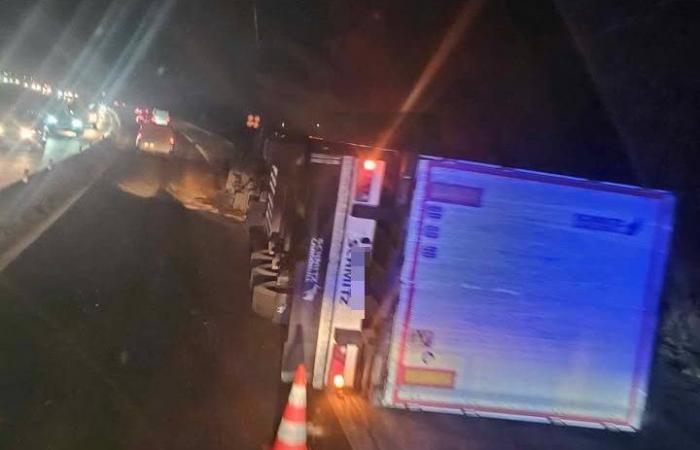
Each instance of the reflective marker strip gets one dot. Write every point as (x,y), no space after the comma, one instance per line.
(292,433)
(294,414)
(417,376)
(297,396)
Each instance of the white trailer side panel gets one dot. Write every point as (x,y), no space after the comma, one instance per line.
(528,295)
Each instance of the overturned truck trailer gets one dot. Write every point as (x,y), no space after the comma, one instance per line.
(346,189)
(526,295)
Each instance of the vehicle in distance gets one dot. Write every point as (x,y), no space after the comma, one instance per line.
(160,117)
(95,116)
(142,115)
(21,129)
(157,139)
(62,120)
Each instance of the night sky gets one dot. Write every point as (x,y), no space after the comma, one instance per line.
(607,90)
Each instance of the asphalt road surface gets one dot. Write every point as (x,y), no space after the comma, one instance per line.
(127,325)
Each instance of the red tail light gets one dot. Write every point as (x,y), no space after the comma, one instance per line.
(337,369)
(172,140)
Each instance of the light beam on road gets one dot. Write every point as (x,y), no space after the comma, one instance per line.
(138,45)
(28,24)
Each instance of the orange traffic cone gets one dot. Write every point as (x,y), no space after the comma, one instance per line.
(291,434)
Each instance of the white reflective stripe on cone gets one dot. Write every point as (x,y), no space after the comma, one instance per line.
(291,433)
(297,396)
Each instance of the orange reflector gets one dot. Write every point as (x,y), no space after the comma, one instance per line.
(429,377)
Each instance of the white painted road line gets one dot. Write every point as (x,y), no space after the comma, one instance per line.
(199,148)
(196,128)
(203,152)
